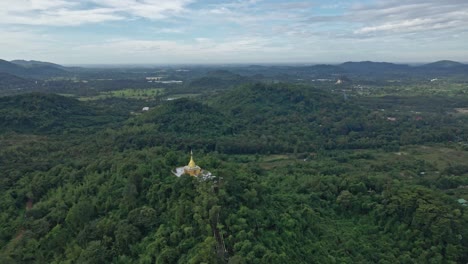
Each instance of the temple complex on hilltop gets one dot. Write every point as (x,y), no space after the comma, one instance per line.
(192,169)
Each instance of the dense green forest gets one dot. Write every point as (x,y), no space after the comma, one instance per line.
(304,173)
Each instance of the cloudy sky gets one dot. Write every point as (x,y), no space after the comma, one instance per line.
(233,31)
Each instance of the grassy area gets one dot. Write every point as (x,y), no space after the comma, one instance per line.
(139,94)
(67,94)
(412,164)
(441,157)
(440,87)
(178,96)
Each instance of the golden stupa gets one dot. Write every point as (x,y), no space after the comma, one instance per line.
(192,169)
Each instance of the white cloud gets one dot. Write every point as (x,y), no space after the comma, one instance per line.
(49,4)
(170,30)
(415,16)
(70,12)
(233,30)
(151,9)
(241,49)
(29,44)
(412,25)
(65,17)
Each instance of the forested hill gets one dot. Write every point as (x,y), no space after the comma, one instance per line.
(47,113)
(444,64)
(249,119)
(32,69)
(11,68)
(36,64)
(263,115)
(287,118)
(302,176)
(218,80)
(249,101)
(368,67)
(9,81)
(185,117)
(280,118)
(445,67)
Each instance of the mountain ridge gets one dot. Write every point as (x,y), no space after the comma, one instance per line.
(228,77)
(444,64)
(32,69)
(35,63)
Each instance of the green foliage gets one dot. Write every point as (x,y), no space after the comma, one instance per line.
(184,116)
(47,113)
(216,80)
(337,190)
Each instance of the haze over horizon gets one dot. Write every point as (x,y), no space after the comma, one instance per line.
(254,31)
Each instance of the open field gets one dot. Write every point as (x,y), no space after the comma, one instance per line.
(462,110)
(412,164)
(138,94)
(178,96)
(438,88)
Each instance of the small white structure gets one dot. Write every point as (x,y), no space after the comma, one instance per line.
(146,108)
(463,202)
(170,82)
(157,78)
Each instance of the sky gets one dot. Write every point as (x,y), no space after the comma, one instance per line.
(233,31)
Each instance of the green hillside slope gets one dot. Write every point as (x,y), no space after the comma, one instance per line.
(301,176)
(46,113)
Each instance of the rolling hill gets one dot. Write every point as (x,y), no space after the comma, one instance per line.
(375,69)
(215,80)
(32,69)
(46,113)
(9,81)
(443,64)
(321,187)
(35,64)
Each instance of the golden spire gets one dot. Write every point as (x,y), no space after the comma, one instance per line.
(191,163)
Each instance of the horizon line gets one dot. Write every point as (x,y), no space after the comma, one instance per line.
(244,63)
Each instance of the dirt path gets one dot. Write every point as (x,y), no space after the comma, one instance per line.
(29,204)
(462,110)
(220,247)
(19,236)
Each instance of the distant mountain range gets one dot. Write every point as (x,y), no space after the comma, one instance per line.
(32,69)
(442,66)
(219,79)
(366,69)
(37,64)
